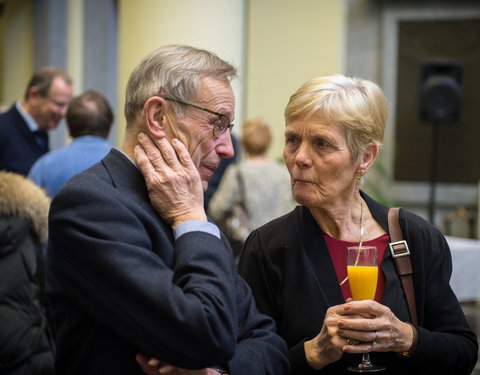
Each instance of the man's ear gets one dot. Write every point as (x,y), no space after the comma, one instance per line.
(33,93)
(155,115)
(369,156)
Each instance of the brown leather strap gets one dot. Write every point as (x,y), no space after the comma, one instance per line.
(401,257)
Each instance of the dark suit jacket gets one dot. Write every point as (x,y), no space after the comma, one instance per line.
(118,284)
(18,147)
(288,266)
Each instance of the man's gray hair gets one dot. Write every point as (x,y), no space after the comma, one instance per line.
(172,71)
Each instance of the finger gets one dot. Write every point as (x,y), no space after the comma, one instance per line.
(142,360)
(144,163)
(368,306)
(168,154)
(366,309)
(165,368)
(352,342)
(361,347)
(153,362)
(159,151)
(149,145)
(183,154)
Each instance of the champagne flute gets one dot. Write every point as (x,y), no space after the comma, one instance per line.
(362,269)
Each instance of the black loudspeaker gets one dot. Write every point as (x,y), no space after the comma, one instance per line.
(441,92)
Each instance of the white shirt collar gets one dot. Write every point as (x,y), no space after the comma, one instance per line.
(32,125)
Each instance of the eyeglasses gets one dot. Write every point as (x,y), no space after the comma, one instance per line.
(219,127)
(56,103)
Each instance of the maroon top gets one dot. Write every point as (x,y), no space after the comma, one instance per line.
(338,253)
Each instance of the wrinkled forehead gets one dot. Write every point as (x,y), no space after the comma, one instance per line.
(216,93)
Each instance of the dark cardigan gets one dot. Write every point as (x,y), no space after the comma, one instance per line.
(288,266)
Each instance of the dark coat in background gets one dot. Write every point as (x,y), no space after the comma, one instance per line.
(25,344)
(18,144)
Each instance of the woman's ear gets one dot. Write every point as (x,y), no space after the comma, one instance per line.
(369,156)
(155,115)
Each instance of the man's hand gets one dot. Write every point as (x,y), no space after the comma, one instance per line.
(173,181)
(152,366)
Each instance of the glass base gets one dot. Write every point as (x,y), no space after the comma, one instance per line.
(366,367)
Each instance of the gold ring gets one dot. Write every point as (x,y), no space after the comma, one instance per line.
(352,342)
(376,337)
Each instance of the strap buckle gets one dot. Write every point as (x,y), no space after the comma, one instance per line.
(399,249)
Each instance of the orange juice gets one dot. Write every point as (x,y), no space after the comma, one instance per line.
(363,281)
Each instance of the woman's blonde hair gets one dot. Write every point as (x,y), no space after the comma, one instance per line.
(358,104)
(256,136)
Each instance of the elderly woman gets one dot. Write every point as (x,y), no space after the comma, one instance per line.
(296,264)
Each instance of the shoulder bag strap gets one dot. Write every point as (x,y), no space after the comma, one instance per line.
(401,256)
(241,187)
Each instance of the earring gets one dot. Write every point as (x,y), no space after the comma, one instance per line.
(358,175)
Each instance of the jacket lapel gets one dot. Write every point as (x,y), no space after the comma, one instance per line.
(314,247)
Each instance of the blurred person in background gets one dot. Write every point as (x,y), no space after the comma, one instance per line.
(89,120)
(26,345)
(24,127)
(261,184)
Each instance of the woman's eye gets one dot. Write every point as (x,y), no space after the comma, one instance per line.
(323,144)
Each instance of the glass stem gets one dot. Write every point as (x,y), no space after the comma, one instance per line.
(366,363)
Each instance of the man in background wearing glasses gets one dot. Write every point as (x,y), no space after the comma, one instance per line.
(24,127)
(138,278)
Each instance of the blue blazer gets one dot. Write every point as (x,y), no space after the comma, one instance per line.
(119,284)
(18,146)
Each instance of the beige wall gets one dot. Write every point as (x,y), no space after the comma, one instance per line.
(288,43)
(279,45)
(144,25)
(16,50)
(275,44)
(75,43)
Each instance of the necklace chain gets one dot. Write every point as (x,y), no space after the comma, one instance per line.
(360,242)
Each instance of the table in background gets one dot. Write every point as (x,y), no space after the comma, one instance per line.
(465,280)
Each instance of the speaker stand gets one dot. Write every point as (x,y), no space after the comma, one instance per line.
(433,173)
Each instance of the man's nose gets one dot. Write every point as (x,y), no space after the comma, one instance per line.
(225,147)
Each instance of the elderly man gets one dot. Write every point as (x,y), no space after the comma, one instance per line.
(135,269)
(24,127)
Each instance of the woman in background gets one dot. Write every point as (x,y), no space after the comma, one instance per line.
(260,183)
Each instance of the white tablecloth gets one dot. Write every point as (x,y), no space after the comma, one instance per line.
(465,280)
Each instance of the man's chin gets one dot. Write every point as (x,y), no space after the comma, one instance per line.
(204,185)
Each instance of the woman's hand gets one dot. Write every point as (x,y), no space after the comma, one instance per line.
(327,346)
(173,181)
(374,329)
(357,327)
